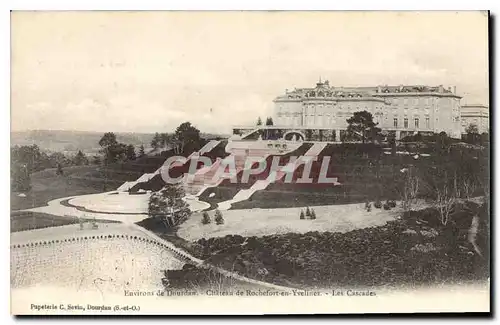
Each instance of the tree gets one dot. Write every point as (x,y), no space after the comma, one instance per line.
(141,151)
(445,202)
(259,121)
(410,188)
(112,150)
(30,157)
(59,170)
(472,134)
(168,205)
(308,212)
(166,139)
(443,144)
(218,217)
(205,219)
(130,152)
(269,121)
(362,128)
(20,178)
(58,158)
(156,142)
(472,129)
(302,214)
(485,138)
(469,186)
(444,190)
(118,152)
(188,137)
(309,135)
(80,159)
(392,144)
(108,139)
(96,160)
(313,215)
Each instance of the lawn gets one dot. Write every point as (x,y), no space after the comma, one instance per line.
(46,186)
(261,222)
(27,220)
(123,203)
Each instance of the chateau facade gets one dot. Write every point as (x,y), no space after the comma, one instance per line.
(398,110)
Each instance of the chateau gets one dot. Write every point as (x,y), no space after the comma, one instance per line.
(320,113)
(401,110)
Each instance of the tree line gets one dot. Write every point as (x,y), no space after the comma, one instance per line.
(269,121)
(26,160)
(185,139)
(114,151)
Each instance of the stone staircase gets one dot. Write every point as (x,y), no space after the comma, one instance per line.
(274,176)
(148,176)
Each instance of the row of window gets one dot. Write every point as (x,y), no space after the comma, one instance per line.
(310,120)
(416,122)
(312,108)
(414,101)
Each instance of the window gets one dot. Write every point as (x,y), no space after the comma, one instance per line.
(406,123)
(395,122)
(416,123)
(427,122)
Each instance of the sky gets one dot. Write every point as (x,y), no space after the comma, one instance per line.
(151,71)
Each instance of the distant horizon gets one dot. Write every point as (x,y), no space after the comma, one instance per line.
(116,132)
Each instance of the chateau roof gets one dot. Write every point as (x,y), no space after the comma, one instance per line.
(323,89)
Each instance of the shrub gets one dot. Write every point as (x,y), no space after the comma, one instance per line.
(313,214)
(302,214)
(308,212)
(387,207)
(378,204)
(391,203)
(205,218)
(218,217)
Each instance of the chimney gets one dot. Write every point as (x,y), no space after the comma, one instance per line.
(449,89)
(379,89)
(455,90)
(441,88)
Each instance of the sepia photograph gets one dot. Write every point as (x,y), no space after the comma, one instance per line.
(249,162)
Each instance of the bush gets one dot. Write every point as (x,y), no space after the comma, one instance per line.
(205,218)
(313,214)
(308,212)
(377,204)
(391,203)
(302,214)
(218,217)
(387,207)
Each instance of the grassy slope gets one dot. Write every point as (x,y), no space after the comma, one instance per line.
(47,186)
(27,220)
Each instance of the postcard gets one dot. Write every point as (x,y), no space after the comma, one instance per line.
(249,162)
